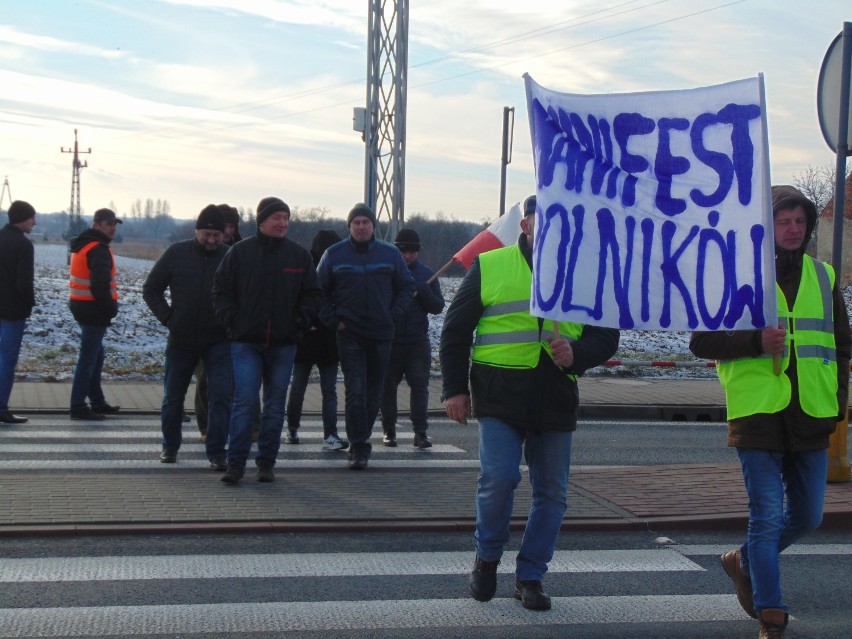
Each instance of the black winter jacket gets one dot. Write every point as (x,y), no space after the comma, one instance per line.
(366,285)
(413,326)
(265,291)
(541,398)
(187,270)
(17,292)
(103,308)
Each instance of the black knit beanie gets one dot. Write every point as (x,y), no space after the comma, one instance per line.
(210,219)
(269,205)
(20,211)
(361,210)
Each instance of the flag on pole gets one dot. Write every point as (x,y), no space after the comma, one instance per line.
(503,232)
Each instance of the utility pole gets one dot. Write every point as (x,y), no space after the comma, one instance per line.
(5,190)
(506,158)
(382,122)
(75,222)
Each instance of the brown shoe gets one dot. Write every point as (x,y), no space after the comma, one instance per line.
(772,623)
(731,563)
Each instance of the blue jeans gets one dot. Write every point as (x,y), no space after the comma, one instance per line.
(328,387)
(772,527)
(413,361)
(253,365)
(364,363)
(180,365)
(11,336)
(90,363)
(548,456)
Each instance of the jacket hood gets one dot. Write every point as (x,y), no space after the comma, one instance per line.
(322,240)
(86,237)
(785,196)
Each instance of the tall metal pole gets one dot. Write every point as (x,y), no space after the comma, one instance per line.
(75,222)
(506,156)
(385,118)
(838,463)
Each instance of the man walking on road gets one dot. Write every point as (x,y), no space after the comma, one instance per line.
(523,385)
(366,288)
(17,297)
(411,352)
(265,293)
(780,419)
(187,269)
(93,301)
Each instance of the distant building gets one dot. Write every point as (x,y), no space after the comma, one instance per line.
(825,237)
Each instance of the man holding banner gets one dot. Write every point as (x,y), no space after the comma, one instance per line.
(782,413)
(523,386)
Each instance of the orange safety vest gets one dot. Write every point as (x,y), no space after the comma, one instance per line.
(81,283)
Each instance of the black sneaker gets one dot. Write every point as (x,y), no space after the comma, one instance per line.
(168,456)
(483,579)
(7,417)
(85,413)
(264,471)
(531,594)
(217,462)
(389,440)
(421,440)
(358,462)
(292,437)
(106,409)
(232,475)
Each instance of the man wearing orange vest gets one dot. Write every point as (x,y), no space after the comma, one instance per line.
(93,300)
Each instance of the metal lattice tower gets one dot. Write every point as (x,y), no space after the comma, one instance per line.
(384,125)
(75,222)
(6,189)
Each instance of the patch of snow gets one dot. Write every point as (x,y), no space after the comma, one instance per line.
(135,343)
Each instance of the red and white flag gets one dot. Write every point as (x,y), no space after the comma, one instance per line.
(503,232)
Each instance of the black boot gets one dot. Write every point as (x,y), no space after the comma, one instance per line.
(531,594)
(483,579)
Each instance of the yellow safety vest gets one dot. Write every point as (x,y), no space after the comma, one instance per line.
(507,336)
(81,283)
(751,385)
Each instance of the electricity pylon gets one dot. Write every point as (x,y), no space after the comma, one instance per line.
(75,222)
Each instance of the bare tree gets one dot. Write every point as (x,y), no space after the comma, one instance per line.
(817,183)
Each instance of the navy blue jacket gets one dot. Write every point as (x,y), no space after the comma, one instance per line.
(413,326)
(17,292)
(366,285)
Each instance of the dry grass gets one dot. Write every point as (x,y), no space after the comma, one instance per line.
(139,249)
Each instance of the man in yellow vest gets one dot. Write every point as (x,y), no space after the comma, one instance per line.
(524,393)
(93,300)
(781,413)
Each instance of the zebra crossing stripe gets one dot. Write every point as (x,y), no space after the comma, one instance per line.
(53,569)
(172,620)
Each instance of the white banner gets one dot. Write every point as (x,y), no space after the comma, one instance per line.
(654,209)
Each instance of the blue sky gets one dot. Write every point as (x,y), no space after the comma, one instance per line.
(234,100)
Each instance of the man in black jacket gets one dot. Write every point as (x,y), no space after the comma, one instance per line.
(524,389)
(93,301)
(187,269)
(17,297)
(265,293)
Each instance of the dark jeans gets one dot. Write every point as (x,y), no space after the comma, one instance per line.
(90,363)
(328,386)
(11,336)
(253,365)
(202,402)
(364,363)
(413,361)
(180,365)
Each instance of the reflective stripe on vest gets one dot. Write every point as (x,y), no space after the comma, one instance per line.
(80,282)
(750,383)
(507,335)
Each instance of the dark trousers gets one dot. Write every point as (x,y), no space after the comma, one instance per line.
(412,361)
(364,363)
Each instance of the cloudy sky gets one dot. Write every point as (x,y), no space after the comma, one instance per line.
(195,101)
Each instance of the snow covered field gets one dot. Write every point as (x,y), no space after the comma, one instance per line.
(136,341)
